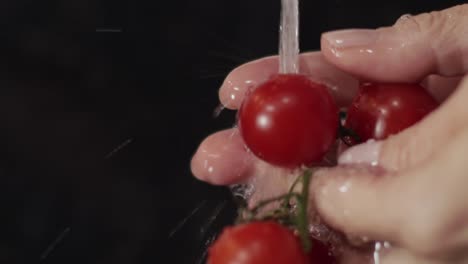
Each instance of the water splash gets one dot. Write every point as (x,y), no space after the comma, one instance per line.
(320,232)
(289,37)
(404,18)
(217,111)
(212,218)
(119,148)
(187,218)
(242,191)
(58,240)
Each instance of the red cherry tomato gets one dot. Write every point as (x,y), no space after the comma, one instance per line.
(380,110)
(257,243)
(289,121)
(320,254)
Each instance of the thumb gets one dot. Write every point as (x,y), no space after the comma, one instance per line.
(416,46)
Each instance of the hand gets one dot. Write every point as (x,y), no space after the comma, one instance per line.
(222,159)
(423,218)
(419,203)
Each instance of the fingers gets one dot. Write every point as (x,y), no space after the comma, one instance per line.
(440,87)
(418,207)
(268,181)
(415,144)
(356,200)
(232,91)
(398,256)
(410,208)
(222,159)
(342,85)
(387,256)
(413,48)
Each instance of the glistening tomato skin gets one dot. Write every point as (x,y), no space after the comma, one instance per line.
(257,243)
(381,110)
(289,121)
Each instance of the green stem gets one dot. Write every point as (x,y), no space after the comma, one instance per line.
(302,207)
(274,199)
(298,220)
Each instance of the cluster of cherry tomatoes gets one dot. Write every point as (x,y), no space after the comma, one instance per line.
(291,121)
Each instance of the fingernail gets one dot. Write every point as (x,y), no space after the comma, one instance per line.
(351,37)
(367,153)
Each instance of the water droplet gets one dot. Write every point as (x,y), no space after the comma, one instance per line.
(407,23)
(404,18)
(379,249)
(370,51)
(248,82)
(345,187)
(320,232)
(346,212)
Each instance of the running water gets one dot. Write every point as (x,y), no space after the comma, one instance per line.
(217,111)
(289,64)
(289,37)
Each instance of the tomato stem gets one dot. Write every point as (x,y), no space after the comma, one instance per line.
(282,213)
(295,218)
(302,209)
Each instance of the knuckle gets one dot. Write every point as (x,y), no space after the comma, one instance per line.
(414,25)
(447,34)
(445,23)
(407,25)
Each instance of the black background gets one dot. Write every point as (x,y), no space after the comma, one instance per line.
(103,103)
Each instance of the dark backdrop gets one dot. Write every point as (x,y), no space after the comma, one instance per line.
(102,104)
